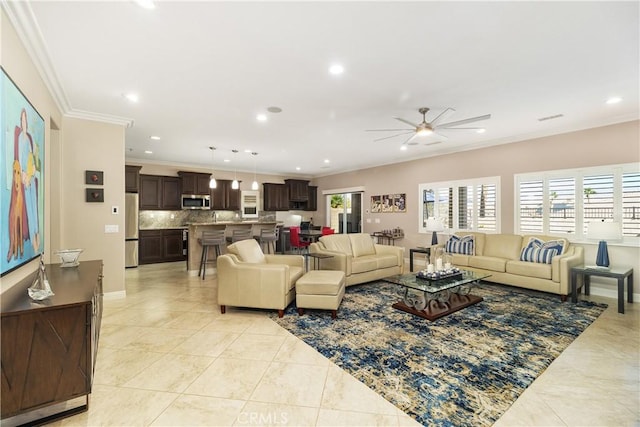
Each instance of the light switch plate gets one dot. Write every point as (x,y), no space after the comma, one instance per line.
(377,220)
(368,220)
(115,210)
(111,228)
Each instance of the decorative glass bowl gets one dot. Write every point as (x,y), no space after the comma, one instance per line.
(69,257)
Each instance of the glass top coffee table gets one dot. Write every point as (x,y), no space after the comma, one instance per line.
(432,299)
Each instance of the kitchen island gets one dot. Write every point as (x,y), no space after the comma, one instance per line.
(196,229)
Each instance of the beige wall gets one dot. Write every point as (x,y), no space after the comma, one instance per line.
(605,145)
(77,146)
(89,145)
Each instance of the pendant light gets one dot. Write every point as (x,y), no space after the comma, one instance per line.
(235,184)
(212,181)
(254,184)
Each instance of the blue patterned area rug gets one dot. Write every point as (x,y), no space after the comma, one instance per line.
(464,369)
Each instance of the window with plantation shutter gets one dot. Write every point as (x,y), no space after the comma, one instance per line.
(462,205)
(561,210)
(565,202)
(598,198)
(631,204)
(530,196)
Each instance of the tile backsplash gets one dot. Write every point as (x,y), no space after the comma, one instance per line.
(172,219)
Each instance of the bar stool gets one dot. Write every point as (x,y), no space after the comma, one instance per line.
(209,239)
(241,234)
(269,237)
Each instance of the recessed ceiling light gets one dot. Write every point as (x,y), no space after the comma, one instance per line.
(297,168)
(148,152)
(131,97)
(403,147)
(155,138)
(481,131)
(146,4)
(227,160)
(336,69)
(261,117)
(326,160)
(614,100)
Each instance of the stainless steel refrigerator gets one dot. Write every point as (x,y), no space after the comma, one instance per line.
(131,230)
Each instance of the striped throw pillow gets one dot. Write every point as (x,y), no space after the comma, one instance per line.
(539,255)
(460,245)
(540,251)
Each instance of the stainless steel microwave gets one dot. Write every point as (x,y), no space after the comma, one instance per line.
(195,201)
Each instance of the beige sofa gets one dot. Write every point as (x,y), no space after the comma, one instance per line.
(499,256)
(359,257)
(249,278)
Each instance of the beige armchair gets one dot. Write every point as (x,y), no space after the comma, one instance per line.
(249,278)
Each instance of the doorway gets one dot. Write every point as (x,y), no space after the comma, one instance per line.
(345,211)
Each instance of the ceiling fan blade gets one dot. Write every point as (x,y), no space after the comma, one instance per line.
(406,121)
(463,122)
(392,136)
(434,143)
(388,130)
(461,128)
(442,116)
(410,138)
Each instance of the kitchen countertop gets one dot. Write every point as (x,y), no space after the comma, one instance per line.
(183,227)
(232,223)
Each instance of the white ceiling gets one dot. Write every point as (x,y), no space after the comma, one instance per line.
(204,70)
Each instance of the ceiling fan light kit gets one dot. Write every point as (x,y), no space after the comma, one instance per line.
(430,128)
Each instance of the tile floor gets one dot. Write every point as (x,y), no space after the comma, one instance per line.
(167,357)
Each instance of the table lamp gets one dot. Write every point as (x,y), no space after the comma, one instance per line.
(435,225)
(603,231)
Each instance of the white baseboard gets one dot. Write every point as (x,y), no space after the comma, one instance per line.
(612,292)
(115,295)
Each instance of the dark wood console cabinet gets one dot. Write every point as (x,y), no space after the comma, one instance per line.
(49,347)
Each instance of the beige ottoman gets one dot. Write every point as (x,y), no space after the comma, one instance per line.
(322,289)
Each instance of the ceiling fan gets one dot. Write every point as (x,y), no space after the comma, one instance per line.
(429,128)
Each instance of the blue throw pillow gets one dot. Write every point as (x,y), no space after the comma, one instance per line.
(542,256)
(541,252)
(460,245)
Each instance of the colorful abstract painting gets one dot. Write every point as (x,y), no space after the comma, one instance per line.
(21,178)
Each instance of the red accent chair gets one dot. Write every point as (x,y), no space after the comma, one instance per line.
(327,230)
(294,238)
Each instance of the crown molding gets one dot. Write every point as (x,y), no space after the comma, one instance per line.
(99,117)
(24,21)
(26,25)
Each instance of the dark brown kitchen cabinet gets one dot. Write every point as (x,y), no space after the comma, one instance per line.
(195,183)
(312,203)
(160,192)
(49,349)
(275,197)
(162,245)
(225,198)
(131,178)
(297,190)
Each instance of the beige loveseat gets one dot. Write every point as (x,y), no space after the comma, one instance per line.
(249,278)
(499,255)
(359,257)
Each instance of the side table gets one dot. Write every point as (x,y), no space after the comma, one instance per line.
(426,251)
(617,272)
(316,259)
